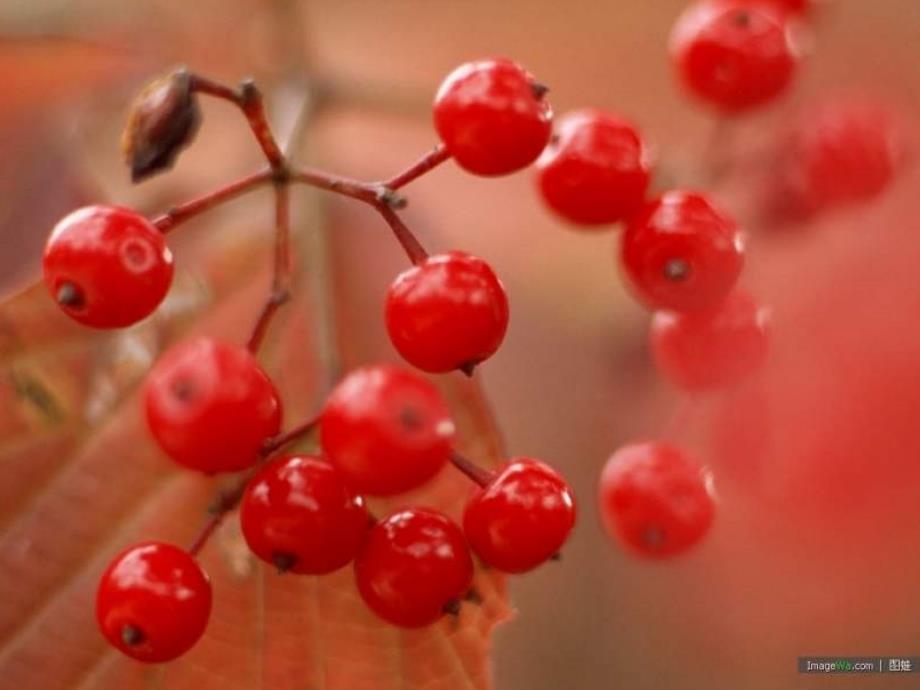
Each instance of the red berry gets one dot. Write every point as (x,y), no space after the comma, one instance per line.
(153,602)
(734,55)
(681,253)
(448,312)
(492,116)
(522,518)
(799,7)
(838,152)
(386,429)
(107,266)
(414,565)
(210,406)
(298,514)
(655,500)
(711,349)
(596,171)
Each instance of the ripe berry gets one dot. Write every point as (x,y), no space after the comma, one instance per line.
(522,518)
(596,171)
(492,116)
(210,406)
(679,252)
(413,566)
(710,349)
(386,429)
(654,499)
(298,514)
(107,266)
(734,55)
(449,312)
(153,602)
(839,152)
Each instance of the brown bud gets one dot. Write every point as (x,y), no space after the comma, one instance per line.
(162,121)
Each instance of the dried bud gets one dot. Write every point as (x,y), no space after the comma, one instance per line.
(162,121)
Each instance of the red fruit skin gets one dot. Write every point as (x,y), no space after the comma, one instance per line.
(298,514)
(413,563)
(654,500)
(522,518)
(386,429)
(492,116)
(734,55)
(449,312)
(843,151)
(712,349)
(684,227)
(210,406)
(115,258)
(596,171)
(159,590)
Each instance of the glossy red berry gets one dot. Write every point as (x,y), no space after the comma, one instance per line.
(386,429)
(492,116)
(153,602)
(449,312)
(210,406)
(414,564)
(839,152)
(681,253)
(107,266)
(655,499)
(734,55)
(521,518)
(596,170)
(298,515)
(711,349)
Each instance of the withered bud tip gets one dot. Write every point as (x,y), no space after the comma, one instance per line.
(162,121)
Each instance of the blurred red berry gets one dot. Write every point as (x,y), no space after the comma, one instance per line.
(492,116)
(732,54)
(654,499)
(681,253)
(210,406)
(838,152)
(414,564)
(298,515)
(449,312)
(386,429)
(153,602)
(107,266)
(710,349)
(522,518)
(596,171)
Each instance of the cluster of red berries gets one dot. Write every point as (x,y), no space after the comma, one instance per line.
(383,430)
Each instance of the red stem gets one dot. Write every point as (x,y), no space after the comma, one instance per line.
(428,162)
(281,279)
(249,100)
(410,244)
(478,474)
(275,444)
(179,214)
(226,502)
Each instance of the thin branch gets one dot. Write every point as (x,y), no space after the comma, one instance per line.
(275,444)
(249,100)
(281,280)
(410,244)
(478,474)
(426,163)
(179,214)
(226,501)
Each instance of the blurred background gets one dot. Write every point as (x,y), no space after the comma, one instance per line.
(815,549)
